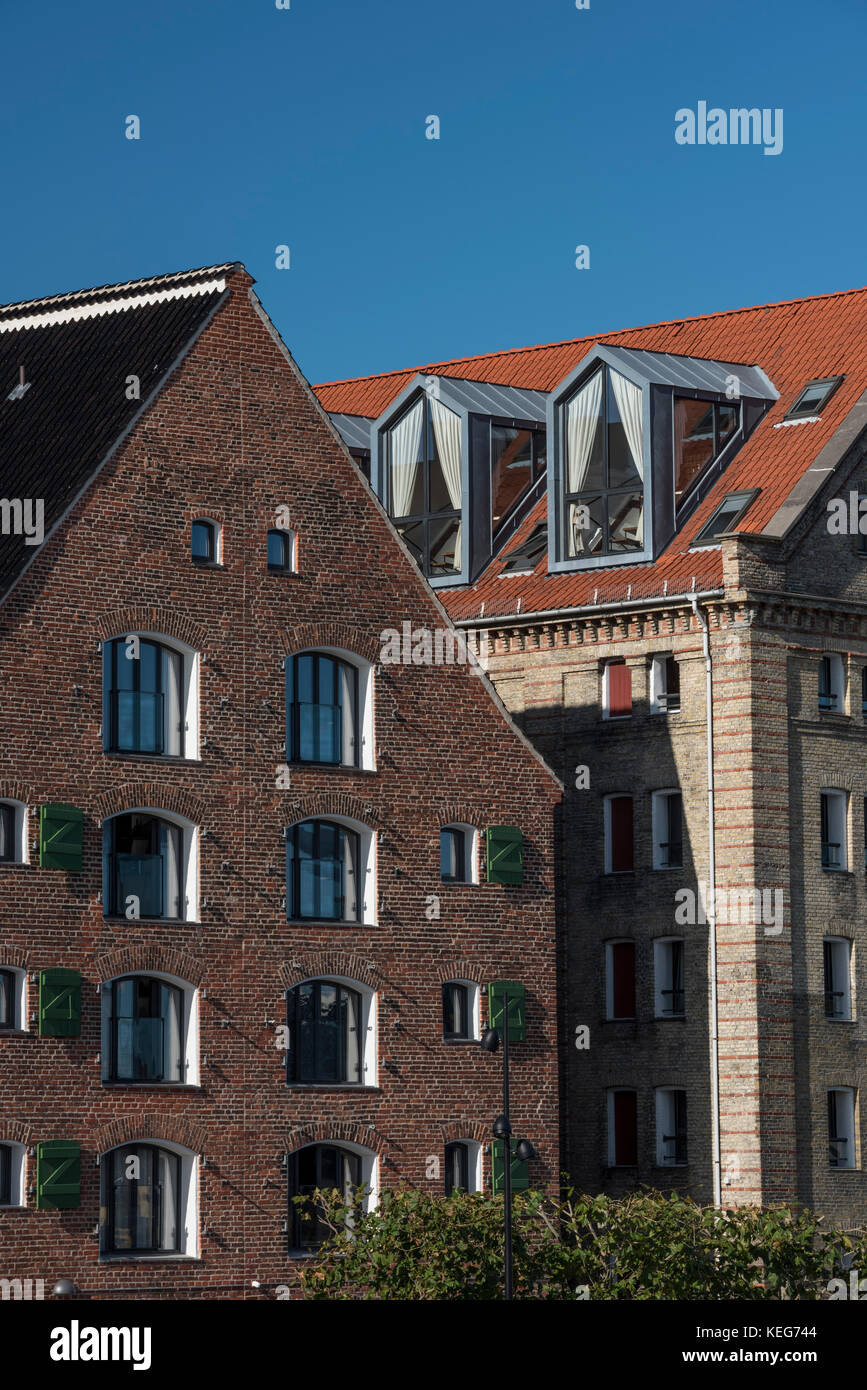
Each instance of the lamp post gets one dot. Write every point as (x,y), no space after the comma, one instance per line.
(503,1130)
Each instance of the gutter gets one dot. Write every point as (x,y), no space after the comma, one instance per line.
(584,610)
(711,913)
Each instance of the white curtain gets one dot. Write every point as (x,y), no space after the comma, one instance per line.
(345,676)
(628,398)
(351,886)
(171,835)
(172,696)
(173,1004)
(582,422)
(404,441)
(166,1176)
(447,432)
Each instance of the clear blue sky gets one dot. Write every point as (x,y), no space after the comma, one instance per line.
(306,127)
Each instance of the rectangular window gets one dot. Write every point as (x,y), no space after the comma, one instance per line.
(841,1127)
(622,1129)
(620,979)
(671,1128)
(837,957)
(831,684)
(664,685)
(517,460)
(668,978)
(833,817)
(813,398)
(618,834)
(702,429)
(616,690)
(456,1012)
(726,517)
(7,832)
(667,830)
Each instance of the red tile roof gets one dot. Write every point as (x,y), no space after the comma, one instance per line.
(793,342)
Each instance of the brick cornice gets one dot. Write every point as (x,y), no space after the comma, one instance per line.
(159,796)
(143,618)
(461,812)
(331,634)
(134,958)
(328,803)
(13,790)
(463,970)
(15,1131)
(465,1129)
(15,957)
(150,1124)
(320,964)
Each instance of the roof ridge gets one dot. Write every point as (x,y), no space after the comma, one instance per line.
(123,286)
(591,337)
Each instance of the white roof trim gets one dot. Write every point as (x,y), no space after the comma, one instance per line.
(800,420)
(109,306)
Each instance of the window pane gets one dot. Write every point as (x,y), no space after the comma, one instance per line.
(586,521)
(5,1175)
(693,441)
(621,466)
(278,550)
(455,1011)
(445,546)
(7,832)
(202,540)
(406,444)
(585,446)
(511,470)
(452,855)
(7,999)
(414,538)
(727,422)
(626,521)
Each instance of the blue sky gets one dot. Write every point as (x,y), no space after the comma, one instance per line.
(306,127)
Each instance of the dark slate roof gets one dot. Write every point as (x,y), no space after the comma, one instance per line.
(77,351)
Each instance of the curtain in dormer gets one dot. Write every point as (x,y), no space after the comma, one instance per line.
(582,422)
(447,432)
(404,446)
(628,398)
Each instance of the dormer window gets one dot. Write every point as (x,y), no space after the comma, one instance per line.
(517,460)
(702,429)
(604,466)
(424,484)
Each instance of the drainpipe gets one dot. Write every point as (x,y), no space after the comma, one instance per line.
(711,911)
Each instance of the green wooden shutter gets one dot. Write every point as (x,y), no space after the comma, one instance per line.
(520,1169)
(59,1003)
(60,837)
(505,854)
(517,1011)
(58,1174)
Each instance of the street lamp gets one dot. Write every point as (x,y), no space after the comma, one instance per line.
(502,1127)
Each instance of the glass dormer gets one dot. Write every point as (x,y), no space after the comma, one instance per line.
(423,462)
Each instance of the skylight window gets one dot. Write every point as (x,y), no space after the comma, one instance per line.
(813,398)
(527,555)
(726,516)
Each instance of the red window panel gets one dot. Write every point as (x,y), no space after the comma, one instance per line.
(621,833)
(623,979)
(619,689)
(625,1127)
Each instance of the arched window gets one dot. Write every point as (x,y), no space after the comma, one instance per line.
(328,1167)
(146,1200)
(149,866)
(322,710)
(460,1011)
(324,871)
(282,551)
(146,1027)
(205,542)
(151,697)
(326,1038)
(458,854)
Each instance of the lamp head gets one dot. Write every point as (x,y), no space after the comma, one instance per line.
(524,1150)
(502,1128)
(490,1040)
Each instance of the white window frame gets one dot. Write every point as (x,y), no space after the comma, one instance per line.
(367,866)
(841,968)
(606,830)
(189,1024)
(658,690)
(474,1008)
(471,851)
(189,695)
(369,1034)
(218,541)
(850,1094)
(839,805)
(659,814)
(606,714)
(20,827)
(610,1015)
(189,858)
(838,684)
(474,1163)
(189,1185)
(663,975)
(365,720)
(17,1174)
(20,1020)
(612,1137)
(665,1123)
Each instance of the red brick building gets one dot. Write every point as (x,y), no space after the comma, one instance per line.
(255,879)
(658,531)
